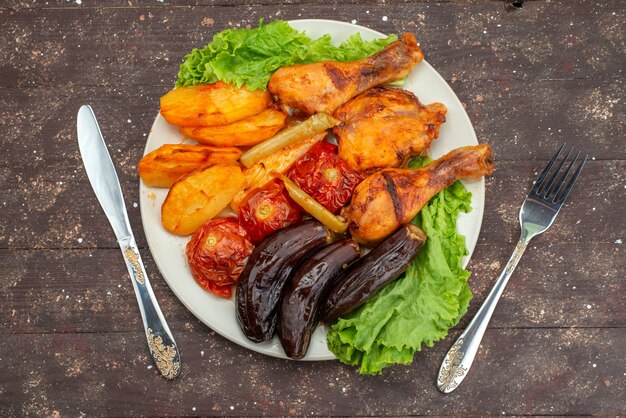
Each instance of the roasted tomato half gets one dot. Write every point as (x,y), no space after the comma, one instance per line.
(217,254)
(267,209)
(323,175)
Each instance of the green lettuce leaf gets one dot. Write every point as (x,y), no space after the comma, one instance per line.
(420,307)
(250,56)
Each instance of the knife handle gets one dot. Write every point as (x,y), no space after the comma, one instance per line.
(161,343)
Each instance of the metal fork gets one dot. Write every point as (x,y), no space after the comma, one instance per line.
(545,199)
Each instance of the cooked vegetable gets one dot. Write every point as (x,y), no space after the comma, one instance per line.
(250,56)
(199,196)
(217,253)
(267,209)
(211,104)
(279,162)
(314,208)
(263,279)
(324,176)
(244,132)
(304,291)
(314,125)
(385,263)
(419,308)
(163,166)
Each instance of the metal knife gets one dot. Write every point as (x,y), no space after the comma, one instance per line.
(104,181)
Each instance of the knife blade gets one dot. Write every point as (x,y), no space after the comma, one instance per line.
(105,183)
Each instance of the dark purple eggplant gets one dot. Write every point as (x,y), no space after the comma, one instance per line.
(305,290)
(264,277)
(385,263)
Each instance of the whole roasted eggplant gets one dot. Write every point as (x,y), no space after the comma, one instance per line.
(369,274)
(305,290)
(269,266)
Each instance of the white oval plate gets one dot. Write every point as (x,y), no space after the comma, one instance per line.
(169,250)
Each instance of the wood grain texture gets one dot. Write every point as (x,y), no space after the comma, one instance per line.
(128,45)
(83,4)
(555,285)
(41,168)
(536,372)
(56,207)
(70,333)
(586,113)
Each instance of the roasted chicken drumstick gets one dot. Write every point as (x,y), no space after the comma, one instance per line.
(392,197)
(384,126)
(324,86)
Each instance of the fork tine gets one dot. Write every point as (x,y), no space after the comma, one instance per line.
(561,181)
(571,183)
(547,188)
(545,171)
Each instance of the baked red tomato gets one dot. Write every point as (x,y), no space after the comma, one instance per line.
(217,254)
(323,175)
(267,209)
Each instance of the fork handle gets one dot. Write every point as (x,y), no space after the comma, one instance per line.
(459,358)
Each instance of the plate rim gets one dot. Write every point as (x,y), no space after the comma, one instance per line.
(256,347)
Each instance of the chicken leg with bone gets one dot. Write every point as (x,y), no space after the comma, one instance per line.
(392,197)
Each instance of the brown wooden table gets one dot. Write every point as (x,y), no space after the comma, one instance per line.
(71,340)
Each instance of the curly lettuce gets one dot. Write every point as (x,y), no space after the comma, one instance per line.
(250,56)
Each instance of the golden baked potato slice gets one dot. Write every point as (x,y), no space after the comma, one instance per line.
(244,132)
(163,166)
(199,196)
(212,104)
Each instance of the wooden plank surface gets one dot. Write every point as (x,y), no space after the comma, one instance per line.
(90,291)
(542,372)
(539,372)
(140,46)
(70,333)
(62,211)
(42,171)
(586,113)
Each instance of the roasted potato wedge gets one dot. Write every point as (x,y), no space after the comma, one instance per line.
(163,166)
(245,132)
(199,196)
(278,162)
(212,104)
